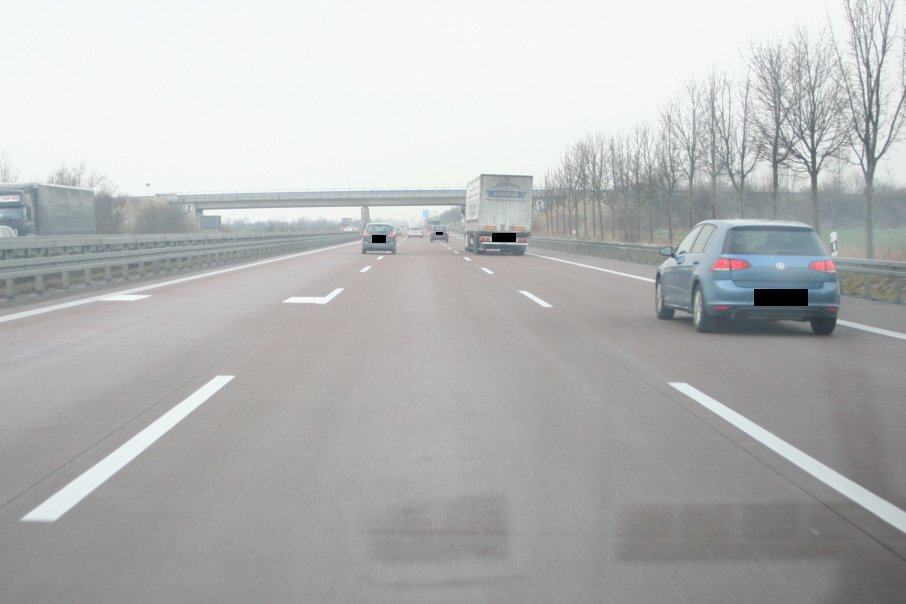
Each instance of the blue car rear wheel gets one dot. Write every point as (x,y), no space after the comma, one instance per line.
(703,323)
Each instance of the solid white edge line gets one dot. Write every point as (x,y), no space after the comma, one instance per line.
(884,510)
(66,498)
(65,305)
(536,299)
(877,330)
(594,268)
(126,298)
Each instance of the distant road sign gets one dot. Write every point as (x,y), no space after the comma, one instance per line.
(210,223)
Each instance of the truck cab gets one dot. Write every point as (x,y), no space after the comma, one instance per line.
(16,211)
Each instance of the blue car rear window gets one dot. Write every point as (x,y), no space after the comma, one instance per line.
(773,241)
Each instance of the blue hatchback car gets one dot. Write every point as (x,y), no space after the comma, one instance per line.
(749,269)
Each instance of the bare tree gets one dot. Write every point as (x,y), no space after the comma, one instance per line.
(716,98)
(110,206)
(599,176)
(156,216)
(768,64)
(737,133)
(549,202)
(8,172)
(668,159)
(642,165)
(618,154)
(71,176)
(581,153)
(688,107)
(609,148)
(817,131)
(874,90)
(569,176)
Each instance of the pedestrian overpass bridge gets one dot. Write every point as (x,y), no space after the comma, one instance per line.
(198,203)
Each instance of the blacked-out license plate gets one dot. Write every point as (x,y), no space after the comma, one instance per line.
(781,297)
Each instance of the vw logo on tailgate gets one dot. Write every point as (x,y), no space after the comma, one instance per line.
(780,266)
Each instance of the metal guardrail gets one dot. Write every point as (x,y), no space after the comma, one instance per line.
(648,254)
(168,252)
(885,268)
(39,247)
(641,253)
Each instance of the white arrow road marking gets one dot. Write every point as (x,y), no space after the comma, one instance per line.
(313,300)
(66,498)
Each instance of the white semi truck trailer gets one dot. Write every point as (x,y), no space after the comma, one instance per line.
(498,213)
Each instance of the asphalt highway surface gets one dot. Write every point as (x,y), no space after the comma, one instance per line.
(438,426)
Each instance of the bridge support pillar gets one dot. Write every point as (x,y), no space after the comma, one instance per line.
(366,216)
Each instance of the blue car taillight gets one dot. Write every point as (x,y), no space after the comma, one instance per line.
(730,264)
(824,266)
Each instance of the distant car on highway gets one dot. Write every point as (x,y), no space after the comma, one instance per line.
(749,269)
(6,231)
(379,236)
(416,232)
(439,232)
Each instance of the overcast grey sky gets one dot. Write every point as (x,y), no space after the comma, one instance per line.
(198,95)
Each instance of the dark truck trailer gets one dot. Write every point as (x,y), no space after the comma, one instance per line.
(38,209)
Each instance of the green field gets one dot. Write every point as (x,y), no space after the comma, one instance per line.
(890,244)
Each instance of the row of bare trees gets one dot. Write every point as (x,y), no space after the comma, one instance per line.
(801,102)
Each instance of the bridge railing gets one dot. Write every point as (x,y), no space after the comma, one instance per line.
(57,264)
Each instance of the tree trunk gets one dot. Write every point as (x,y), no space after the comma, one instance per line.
(691,201)
(714,197)
(813,177)
(869,227)
(670,217)
(775,186)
